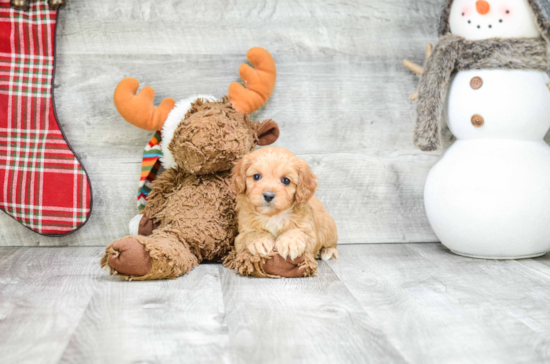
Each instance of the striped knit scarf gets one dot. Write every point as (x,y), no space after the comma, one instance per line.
(149,169)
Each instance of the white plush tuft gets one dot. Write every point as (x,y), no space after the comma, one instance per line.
(133,226)
(172,121)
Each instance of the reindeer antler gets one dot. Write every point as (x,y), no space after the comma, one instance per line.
(419,70)
(259,82)
(139,109)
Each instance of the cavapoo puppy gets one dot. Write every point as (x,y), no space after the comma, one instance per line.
(277,207)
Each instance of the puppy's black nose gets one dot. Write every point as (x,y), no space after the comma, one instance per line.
(269,196)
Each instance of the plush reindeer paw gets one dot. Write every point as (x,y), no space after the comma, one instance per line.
(289,268)
(302,266)
(127,256)
(142,225)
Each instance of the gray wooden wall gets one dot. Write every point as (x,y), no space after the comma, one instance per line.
(341,98)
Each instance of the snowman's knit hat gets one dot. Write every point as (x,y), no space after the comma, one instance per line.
(541,8)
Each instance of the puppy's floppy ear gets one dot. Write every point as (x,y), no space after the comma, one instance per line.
(239,175)
(306,183)
(268,132)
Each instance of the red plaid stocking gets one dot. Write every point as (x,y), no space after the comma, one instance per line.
(42,184)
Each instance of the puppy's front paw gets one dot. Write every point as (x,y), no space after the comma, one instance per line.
(290,247)
(262,246)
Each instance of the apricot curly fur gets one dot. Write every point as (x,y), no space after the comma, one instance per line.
(294,224)
(309,265)
(248,264)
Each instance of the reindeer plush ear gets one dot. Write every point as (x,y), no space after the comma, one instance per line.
(268,132)
(239,175)
(307,183)
(259,82)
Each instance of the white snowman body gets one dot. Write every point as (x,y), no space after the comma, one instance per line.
(489,194)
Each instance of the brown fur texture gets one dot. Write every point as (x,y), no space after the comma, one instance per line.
(211,138)
(200,211)
(170,258)
(293,223)
(193,204)
(453,53)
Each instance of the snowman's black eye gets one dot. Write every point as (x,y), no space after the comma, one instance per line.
(257,177)
(490,26)
(285,181)
(462,14)
(500,21)
(507,11)
(469,22)
(479,27)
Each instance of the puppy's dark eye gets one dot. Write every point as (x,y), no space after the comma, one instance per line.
(257,177)
(285,181)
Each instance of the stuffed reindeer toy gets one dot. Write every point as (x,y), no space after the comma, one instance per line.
(190,213)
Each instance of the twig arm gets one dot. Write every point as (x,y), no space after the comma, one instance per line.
(429,50)
(419,70)
(413,67)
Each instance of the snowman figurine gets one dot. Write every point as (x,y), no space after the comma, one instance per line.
(489,194)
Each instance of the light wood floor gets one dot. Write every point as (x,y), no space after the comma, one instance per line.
(413,303)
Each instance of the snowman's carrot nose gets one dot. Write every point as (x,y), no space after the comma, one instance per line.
(483,7)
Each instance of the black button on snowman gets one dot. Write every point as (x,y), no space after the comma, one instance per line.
(489,194)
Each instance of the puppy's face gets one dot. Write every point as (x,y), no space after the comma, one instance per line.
(273,180)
